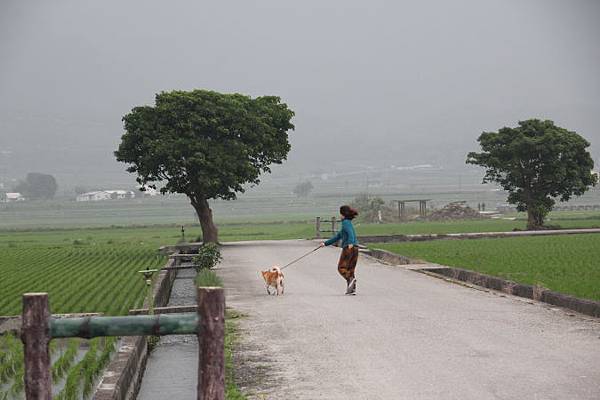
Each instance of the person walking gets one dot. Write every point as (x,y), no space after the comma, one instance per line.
(349,256)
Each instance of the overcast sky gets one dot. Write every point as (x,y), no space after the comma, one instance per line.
(374,81)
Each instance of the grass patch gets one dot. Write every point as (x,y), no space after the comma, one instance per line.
(208,278)
(566,264)
(232,392)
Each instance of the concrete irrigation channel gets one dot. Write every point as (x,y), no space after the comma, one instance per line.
(171,369)
(405,335)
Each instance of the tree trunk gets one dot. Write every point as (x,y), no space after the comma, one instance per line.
(210,233)
(535,219)
(530,220)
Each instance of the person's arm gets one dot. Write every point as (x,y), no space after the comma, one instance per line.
(347,226)
(334,239)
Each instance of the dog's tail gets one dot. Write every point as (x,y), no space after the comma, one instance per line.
(277,269)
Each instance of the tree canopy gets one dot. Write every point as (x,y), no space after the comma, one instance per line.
(537,162)
(205,144)
(303,189)
(37,186)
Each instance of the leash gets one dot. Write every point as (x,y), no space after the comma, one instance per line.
(300,258)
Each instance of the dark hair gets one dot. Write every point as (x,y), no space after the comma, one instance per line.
(348,212)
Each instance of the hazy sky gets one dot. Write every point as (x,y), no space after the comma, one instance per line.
(376,81)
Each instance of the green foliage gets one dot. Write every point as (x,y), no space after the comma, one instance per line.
(208,278)
(38,186)
(232,392)
(536,162)
(371,208)
(303,189)
(11,358)
(64,362)
(567,264)
(205,144)
(209,256)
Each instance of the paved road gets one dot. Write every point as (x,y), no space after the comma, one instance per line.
(405,336)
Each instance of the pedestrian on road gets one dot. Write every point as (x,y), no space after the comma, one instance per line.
(349,256)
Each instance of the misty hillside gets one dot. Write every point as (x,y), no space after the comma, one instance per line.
(402,83)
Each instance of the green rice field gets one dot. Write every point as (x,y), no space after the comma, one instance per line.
(567,264)
(83,271)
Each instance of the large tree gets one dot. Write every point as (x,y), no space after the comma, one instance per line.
(537,162)
(205,144)
(37,186)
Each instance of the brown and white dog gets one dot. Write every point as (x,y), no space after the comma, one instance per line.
(273,277)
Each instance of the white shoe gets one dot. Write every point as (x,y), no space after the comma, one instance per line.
(351,287)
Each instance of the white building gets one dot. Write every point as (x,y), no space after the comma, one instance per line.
(151,192)
(14,196)
(106,195)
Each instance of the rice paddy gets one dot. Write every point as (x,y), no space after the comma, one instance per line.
(568,263)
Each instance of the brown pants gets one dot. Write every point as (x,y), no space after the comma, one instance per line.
(347,263)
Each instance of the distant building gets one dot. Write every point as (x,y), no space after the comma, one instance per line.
(106,195)
(14,196)
(93,196)
(149,192)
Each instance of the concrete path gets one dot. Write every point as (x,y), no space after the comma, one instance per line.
(404,336)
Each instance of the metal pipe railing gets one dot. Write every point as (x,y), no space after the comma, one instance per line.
(139,325)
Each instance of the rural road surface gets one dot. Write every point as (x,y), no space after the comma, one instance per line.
(404,336)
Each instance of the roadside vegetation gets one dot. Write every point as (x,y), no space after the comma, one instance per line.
(232,392)
(566,263)
(209,278)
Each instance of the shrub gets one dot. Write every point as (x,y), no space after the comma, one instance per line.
(372,209)
(209,256)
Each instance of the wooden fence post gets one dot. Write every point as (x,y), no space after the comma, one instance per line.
(35,335)
(333,225)
(211,343)
(318,223)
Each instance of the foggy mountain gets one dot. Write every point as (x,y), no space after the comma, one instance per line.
(372,83)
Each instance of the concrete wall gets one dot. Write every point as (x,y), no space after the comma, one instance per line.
(476,235)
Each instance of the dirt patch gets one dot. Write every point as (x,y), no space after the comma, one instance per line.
(253,370)
(453,211)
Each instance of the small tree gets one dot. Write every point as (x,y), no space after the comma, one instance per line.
(205,144)
(303,189)
(371,209)
(536,162)
(209,256)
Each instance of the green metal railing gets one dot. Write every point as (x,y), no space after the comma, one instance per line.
(139,325)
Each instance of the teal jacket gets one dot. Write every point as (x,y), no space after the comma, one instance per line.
(346,234)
